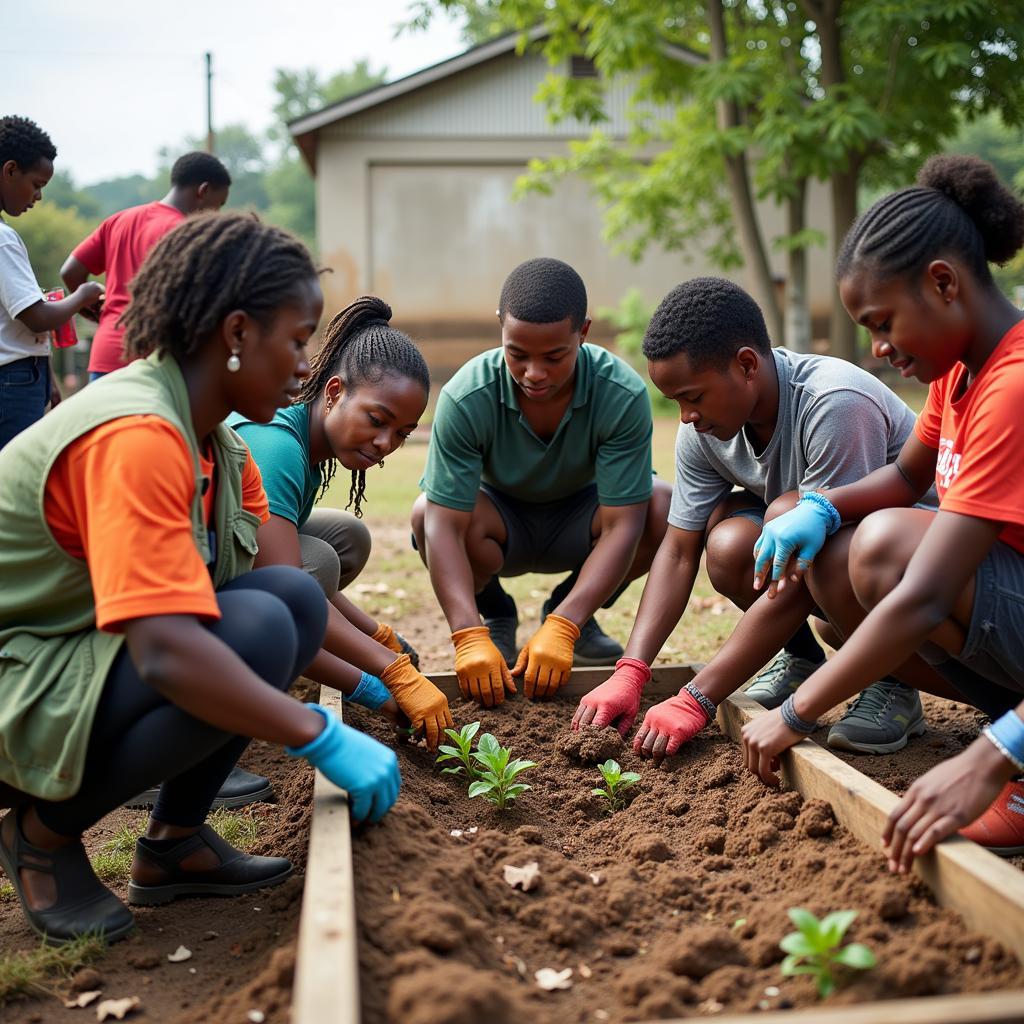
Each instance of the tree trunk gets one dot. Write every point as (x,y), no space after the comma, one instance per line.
(744,210)
(798,316)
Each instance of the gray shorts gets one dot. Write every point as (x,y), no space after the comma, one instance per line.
(335,546)
(989,671)
(550,536)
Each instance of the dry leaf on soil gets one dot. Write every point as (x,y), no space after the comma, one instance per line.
(525,877)
(180,955)
(83,999)
(118,1008)
(549,979)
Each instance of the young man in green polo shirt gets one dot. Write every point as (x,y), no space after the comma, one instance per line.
(539,461)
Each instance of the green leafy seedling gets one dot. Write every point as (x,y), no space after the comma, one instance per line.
(616,782)
(461,752)
(496,782)
(816,948)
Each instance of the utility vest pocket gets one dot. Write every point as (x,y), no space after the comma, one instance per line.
(244,530)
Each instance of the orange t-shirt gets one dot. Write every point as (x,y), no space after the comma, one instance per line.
(120,497)
(979,434)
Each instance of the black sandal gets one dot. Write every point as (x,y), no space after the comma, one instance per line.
(85,906)
(237,872)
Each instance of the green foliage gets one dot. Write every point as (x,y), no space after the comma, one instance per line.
(496,782)
(300,91)
(816,948)
(461,752)
(616,782)
(27,972)
(50,232)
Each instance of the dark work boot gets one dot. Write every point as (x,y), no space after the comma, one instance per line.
(240,789)
(595,646)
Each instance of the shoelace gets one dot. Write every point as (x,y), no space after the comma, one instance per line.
(777,669)
(872,702)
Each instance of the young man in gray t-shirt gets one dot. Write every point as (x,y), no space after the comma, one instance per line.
(770,423)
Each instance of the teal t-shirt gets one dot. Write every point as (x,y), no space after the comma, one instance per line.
(479,434)
(281,450)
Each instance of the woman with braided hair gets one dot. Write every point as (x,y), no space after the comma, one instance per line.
(137,644)
(949,585)
(367,388)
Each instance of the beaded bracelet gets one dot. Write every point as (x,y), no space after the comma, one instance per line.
(834,519)
(708,706)
(793,720)
(1007,733)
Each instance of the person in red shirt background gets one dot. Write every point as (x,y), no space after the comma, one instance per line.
(199,181)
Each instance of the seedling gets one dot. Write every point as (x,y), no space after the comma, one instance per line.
(496,782)
(461,752)
(816,948)
(616,783)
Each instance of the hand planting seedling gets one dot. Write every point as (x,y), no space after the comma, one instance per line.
(496,782)
(461,752)
(616,783)
(816,948)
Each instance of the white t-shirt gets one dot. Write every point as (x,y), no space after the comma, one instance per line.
(18,290)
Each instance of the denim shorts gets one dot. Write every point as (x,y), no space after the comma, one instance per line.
(24,392)
(989,671)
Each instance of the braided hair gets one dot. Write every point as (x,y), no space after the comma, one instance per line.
(206,267)
(360,346)
(958,207)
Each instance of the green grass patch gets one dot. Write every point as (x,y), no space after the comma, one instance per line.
(239,828)
(34,970)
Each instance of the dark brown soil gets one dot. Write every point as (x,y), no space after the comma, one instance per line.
(671,908)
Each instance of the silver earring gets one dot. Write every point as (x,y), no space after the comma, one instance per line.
(234,363)
(381,463)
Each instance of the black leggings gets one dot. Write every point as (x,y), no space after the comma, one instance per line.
(274,619)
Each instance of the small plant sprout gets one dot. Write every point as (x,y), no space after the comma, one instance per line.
(460,752)
(496,782)
(616,783)
(816,948)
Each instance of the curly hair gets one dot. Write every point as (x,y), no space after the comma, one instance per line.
(24,142)
(958,207)
(360,346)
(198,167)
(708,318)
(206,267)
(544,291)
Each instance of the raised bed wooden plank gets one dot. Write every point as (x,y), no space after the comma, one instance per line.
(984,890)
(327,961)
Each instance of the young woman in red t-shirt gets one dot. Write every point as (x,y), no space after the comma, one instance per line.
(914,270)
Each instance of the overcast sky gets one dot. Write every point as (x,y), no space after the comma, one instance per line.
(114,80)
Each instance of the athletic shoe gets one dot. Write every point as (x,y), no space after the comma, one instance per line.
(240,788)
(503,636)
(1001,828)
(780,679)
(880,720)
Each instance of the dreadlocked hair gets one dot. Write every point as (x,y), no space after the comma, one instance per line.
(958,207)
(360,346)
(206,267)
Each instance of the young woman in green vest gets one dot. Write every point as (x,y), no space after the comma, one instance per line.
(366,391)
(137,646)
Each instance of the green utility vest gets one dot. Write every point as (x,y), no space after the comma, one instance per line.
(53,660)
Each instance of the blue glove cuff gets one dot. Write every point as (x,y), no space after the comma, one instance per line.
(1007,733)
(826,506)
(312,750)
(370,693)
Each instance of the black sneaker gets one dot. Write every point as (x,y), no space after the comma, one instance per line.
(503,636)
(880,720)
(240,789)
(595,646)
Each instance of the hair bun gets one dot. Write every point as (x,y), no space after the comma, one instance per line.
(974,186)
(373,307)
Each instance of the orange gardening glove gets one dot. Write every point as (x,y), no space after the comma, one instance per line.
(546,661)
(393,641)
(483,674)
(421,701)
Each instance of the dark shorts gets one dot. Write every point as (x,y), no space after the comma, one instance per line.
(551,536)
(989,671)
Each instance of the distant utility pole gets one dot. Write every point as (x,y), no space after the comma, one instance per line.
(209,102)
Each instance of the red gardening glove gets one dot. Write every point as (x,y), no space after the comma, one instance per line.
(668,725)
(617,700)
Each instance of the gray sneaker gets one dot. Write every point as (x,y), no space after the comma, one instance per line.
(781,678)
(880,720)
(503,636)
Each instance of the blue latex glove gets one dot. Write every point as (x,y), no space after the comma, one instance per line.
(800,531)
(370,693)
(364,768)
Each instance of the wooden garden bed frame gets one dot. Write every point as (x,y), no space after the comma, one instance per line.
(987,892)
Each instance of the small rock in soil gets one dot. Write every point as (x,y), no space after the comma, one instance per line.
(591,746)
(144,961)
(87,979)
(816,819)
(649,847)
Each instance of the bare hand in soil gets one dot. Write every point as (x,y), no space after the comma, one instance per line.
(950,796)
(764,739)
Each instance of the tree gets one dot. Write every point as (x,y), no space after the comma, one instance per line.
(50,232)
(768,94)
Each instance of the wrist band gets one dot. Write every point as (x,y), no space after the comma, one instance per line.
(1007,733)
(834,520)
(708,706)
(793,720)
